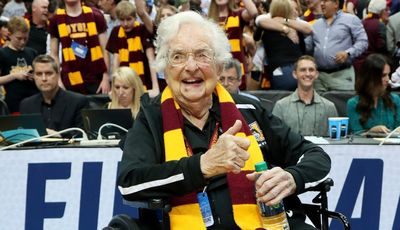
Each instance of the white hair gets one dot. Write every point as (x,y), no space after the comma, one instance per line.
(169,28)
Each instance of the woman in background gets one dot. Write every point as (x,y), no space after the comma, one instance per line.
(283,40)
(127,88)
(375,108)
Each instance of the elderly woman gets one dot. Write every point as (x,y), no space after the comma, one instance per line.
(374,109)
(126,90)
(196,139)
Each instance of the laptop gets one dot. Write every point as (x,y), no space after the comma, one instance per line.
(93,119)
(17,128)
(23,121)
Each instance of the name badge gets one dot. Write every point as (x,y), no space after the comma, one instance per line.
(205,209)
(79,50)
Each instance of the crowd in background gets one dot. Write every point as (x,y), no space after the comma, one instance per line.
(91,40)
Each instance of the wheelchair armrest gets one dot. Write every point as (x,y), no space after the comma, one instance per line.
(324,186)
(152,204)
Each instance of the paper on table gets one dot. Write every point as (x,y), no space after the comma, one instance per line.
(316,140)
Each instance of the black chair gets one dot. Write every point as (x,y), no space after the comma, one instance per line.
(317,212)
(3,108)
(98,101)
(339,98)
(270,95)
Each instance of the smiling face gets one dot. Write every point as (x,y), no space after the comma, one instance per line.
(192,81)
(305,73)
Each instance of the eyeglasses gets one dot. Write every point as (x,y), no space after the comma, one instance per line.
(201,56)
(228,79)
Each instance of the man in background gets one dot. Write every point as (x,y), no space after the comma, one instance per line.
(337,39)
(81,31)
(305,111)
(231,78)
(38,26)
(60,109)
(108,8)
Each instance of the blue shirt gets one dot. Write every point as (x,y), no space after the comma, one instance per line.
(379,116)
(346,33)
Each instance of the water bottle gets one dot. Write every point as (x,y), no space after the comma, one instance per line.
(272,217)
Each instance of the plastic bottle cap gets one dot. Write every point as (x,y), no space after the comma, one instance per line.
(261,166)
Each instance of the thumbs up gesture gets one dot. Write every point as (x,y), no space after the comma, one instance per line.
(229,154)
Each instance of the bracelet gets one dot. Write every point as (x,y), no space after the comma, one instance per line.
(286,22)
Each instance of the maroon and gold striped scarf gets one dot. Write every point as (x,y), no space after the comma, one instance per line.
(185,213)
(69,59)
(131,45)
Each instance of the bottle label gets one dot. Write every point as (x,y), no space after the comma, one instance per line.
(273,217)
(266,210)
(277,222)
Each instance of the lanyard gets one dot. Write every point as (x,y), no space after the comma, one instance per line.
(213,140)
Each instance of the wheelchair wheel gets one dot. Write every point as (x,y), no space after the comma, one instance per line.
(122,222)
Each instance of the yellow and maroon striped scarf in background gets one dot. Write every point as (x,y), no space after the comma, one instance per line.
(129,53)
(69,66)
(186,214)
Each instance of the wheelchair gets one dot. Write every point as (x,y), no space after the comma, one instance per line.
(153,214)
(318,212)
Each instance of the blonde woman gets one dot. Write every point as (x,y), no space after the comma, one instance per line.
(283,40)
(126,90)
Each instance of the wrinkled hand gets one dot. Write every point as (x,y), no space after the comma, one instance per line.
(273,185)
(229,154)
(379,129)
(292,35)
(341,57)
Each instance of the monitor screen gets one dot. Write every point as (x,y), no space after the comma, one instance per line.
(93,119)
(23,121)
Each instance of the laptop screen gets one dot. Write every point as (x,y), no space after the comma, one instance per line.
(93,119)
(23,121)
